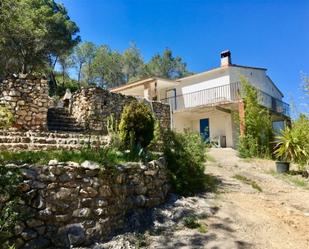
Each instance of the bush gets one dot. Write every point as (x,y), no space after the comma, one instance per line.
(9,203)
(185,155)
(292,145)
(6,118)
(258,127)
(136,126)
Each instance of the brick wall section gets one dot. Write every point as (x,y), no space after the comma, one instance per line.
(76,205)
(93,106)
(27,98)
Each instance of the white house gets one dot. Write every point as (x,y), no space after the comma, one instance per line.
(204,102)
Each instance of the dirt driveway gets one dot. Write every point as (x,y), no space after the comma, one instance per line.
(276,217)
(251,209)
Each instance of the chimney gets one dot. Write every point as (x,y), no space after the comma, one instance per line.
(226,58)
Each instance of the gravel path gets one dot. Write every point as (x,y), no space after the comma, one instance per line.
(237,216)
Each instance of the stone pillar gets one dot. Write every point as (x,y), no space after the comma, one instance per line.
(241,111)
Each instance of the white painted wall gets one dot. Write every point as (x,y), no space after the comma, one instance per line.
(257,78)
(220,124)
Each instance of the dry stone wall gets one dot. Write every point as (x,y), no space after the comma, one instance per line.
(30,140)
(27,98)
(71,205)
(93,106)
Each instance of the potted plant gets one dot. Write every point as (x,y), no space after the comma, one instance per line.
(287,150)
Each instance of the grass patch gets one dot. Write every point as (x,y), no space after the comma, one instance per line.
(193,223)
(248,181)
(101,156)
(295,180)
(203,228)
(210,158)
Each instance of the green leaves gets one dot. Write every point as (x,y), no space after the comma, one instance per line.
(136,126)
(166,66)
(33,32)
(258,125)
(185,155)
(292,145)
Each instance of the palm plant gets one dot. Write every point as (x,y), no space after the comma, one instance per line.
(289,148)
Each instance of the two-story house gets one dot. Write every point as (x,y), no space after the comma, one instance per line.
(204,102)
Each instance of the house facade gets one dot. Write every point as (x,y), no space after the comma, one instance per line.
(204,102)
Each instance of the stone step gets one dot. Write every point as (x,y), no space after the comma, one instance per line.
(59,119)
(63,128)
(48,140)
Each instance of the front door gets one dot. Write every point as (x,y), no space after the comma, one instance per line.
(204,128)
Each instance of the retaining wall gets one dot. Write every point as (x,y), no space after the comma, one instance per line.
(27,98)
(92,107)
(70,205)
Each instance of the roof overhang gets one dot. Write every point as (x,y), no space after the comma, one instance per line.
(137,87)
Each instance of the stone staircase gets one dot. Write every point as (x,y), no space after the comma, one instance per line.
(59,119)
(30,140)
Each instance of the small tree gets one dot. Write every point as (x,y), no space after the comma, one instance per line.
(136,126)
(258,127)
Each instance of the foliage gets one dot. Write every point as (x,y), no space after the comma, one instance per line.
(6,118)
(132,63)
(83,57)
(166,66)
(33,34)
(258,127)
(191,222)
(108,67)
(9,202)
(248,181)
(107,156)
(185,155)
(292,145)
(136,126)
(113,132)
(65,62)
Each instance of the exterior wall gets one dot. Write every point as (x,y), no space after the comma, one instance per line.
(220,124)
(70,205)
(92,107)
(27,98)
(257,78)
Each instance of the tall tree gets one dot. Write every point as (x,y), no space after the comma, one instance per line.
(166,66)
(34,33)
(108,67)
(65,62)
(83,58)
(132,63)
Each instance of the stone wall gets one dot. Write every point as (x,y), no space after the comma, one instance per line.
(27,98)
(70,205)
(30,140)
(92,107)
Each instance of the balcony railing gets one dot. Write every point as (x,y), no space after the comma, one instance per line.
(221,95)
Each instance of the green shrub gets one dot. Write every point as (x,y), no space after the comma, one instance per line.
(191,222)
(258,127)
(6,118)
(9,203)
(101,156)
(292,145)
(185,155)
(136,126)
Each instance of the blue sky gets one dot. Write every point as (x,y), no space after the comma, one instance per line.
(272,34)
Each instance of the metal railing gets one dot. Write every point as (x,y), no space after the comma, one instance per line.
(221,95)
